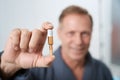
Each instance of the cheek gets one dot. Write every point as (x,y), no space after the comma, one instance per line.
(66,40)
(87,41)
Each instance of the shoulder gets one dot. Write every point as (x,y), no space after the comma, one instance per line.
(102,68)
(99,68)
(97,64)
(100,64)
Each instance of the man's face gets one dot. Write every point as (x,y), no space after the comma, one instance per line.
(75,34)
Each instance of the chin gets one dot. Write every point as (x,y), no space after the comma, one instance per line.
(76,56)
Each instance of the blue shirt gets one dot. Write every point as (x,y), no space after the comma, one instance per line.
(94,70)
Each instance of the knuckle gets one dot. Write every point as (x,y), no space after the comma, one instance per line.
(32,45)
(15,36)
(36,31)
(15,33)
(26,33)
(36,34)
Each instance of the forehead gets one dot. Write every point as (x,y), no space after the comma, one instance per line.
(76,22)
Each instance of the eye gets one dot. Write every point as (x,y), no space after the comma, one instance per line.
(85,34)
(69,34)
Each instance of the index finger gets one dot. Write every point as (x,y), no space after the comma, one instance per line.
(46,26)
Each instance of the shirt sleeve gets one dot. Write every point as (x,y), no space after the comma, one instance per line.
(23,74)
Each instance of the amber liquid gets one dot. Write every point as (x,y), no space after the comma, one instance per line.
(50,42)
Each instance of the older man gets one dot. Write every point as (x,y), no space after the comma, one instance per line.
(72,60)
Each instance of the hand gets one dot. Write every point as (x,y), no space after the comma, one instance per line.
(24,50)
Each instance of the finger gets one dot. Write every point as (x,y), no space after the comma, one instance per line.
(15,38)
(36,40)
(43,29)
(46,26)
(42,42)
(25,38)
(44,61)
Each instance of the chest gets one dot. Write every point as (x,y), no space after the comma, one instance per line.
(78,74)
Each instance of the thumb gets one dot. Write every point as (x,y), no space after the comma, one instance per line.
(44,61)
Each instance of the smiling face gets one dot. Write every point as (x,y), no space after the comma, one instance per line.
(75,34)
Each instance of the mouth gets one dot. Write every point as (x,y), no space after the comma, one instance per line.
(78,49)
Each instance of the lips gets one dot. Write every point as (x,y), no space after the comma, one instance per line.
(77,49)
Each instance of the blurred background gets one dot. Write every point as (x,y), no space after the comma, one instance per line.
(105,44)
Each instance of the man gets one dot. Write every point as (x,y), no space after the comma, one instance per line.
(72,60)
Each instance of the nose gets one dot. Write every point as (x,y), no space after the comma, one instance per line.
(78,39)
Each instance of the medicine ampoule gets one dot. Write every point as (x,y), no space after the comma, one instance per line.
(50,41)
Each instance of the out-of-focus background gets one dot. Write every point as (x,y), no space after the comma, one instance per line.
(105,44)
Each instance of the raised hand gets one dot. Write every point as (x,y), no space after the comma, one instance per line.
(24,50)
